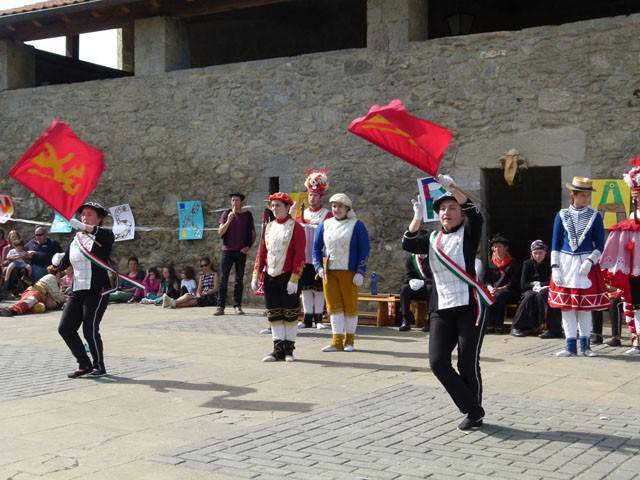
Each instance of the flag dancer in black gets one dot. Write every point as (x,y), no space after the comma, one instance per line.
(458,300)
(88,254)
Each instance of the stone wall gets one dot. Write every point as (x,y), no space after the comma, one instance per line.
(566,95)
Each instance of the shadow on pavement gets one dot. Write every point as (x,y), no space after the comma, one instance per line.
(227,400)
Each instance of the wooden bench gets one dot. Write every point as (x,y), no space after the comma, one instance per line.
(386,308)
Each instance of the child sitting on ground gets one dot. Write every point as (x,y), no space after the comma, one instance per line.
(18,258)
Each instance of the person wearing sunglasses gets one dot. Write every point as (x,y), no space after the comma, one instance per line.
(41,250)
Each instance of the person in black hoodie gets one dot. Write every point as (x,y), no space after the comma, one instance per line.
(502,278)
(533,312)
(456,318)
(87,301)
(416,286)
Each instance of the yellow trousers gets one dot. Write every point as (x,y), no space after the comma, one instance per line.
(340,293)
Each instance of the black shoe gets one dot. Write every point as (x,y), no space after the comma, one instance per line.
(613,342)
(425,328)
(472,421)
(596,339)
(81,372)
(546,335)
(405,327)
(98,372)
(6,312)
(517,333)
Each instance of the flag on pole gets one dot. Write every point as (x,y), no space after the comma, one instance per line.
(6,208)
(60,168)
(414,140)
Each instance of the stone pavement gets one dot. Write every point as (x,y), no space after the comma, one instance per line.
(187,398)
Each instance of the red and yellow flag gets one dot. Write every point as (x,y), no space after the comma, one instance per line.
(414,140)
(60,168)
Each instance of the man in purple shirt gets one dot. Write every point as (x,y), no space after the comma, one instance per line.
(238,235)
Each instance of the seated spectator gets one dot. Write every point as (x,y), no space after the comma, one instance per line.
(188,282)
(12,237)
(66,282)
(206,293)
(45,294)
(151,284)
(501,276)
(417,286)
(18,259)
(533,313)
(168,284)
(41,250)
(126,290)
(3,241)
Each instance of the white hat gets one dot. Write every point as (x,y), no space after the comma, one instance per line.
(57,259)
(344,200)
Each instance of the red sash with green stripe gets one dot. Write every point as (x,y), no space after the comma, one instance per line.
(104,265)
(418,266)
(480,295)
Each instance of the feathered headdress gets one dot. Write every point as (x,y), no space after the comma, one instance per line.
(632,177)
(317,181)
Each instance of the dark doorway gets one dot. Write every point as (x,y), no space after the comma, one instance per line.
(525,211)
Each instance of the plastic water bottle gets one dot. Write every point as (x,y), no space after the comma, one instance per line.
(374,284)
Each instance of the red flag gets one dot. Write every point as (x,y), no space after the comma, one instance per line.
(417,141)
(60,168)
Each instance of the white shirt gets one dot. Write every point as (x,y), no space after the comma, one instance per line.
(81,264)
(337,240)
(277,237)
(452,292)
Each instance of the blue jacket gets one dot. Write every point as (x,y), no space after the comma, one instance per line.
(593,238)
(358,248)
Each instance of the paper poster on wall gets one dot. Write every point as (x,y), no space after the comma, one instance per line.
(60,224)
(191,220)
(124,225)
(6,208)
(430,190)
(303,202)
(611,199)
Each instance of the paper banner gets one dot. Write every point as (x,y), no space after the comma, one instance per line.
(430,190)
(191,220)
(60,224)
(303,202)
(611,199)
(124,225)
(6,208)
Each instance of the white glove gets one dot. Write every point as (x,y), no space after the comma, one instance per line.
(446,181)
(292,287)
(358,279)
(56,260)
(320,272)
(536,287)
(77,224)
(585,268)
(417,208)
(254,284)
(556,274)
(416,284)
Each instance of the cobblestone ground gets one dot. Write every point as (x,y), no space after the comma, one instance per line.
(408,432)
(551,347)
(28,371)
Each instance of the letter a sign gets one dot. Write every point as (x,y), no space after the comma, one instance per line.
(60,168)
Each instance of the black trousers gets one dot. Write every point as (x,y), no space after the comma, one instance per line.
(450,328)
(616,314)
(280,305)
(229,259)
(406,296)
(84,308)
(496,312)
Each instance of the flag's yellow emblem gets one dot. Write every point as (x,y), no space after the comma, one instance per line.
(49,161)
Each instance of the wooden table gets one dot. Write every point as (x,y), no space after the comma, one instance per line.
(386,312)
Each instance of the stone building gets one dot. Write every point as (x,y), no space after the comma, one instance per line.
(214,96)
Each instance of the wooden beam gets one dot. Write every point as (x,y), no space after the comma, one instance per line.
(36,23)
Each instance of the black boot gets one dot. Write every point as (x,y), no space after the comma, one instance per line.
(288,350)
(308,320)
(405,327)
(278,350)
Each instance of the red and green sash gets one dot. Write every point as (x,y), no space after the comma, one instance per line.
(104,265)
(480,295)
(418,266)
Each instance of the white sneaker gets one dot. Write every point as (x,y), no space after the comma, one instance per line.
(147,301)
(269,358)
(330,348)
(565,353)
(289,358)
(633,351)
(589,353)
(349,348)
(301,325)
(166,301)
(321,326)
(266,331)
